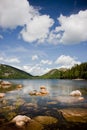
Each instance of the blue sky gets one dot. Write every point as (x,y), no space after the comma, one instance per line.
(37,36)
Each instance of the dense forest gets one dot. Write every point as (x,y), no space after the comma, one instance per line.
(76,72)
(9,72)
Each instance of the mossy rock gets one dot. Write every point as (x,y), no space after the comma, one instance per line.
(75,115)
(11,115)
(34,125)
(46,120)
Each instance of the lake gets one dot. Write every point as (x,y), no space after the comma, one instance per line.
(58,103)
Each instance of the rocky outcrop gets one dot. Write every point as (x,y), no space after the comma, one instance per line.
(46,120)
(37,123)
(43,91)
(20,120)
(5,84)
(75,93)
(2,95)
(19,86)
(75,115)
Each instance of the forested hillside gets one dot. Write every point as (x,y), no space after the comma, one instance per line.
(77,71)
(10,72)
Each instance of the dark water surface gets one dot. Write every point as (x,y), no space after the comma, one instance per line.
(20,102)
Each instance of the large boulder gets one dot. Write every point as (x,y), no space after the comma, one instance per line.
(21,120)
(75,93)
(75,114)
(35,93)
(25,123)
(46,120)
(42,87)
(2,95)
(19,86)
(5,84)
(43,90)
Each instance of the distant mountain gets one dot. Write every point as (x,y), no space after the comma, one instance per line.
(9,72)
(53,74)
(76,72)
(63,69)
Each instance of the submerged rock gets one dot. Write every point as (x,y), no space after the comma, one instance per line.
(42,92)
(34,92)
(75,93)
(46,120)
(34,125)
(75,115)
(81,98)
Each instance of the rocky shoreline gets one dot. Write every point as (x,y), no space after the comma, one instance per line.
(71,119)
(25,115)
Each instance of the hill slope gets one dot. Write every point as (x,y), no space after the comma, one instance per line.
(10,72)
(77,71)
(52,74)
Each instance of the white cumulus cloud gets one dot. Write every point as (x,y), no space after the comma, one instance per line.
(15,13)
(35,70)
(37,29)
(73,28)
(46,62)
(4,59)
(66,61)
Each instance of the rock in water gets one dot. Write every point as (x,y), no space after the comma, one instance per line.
(75,93)
(25,123)
(5,83)
(46,120)
(19,86)
(81,98)
(43,90)
(2,95)
(20,120)
(43,87)
(75,114)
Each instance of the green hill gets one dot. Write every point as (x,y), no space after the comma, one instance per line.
(9,72)
(53,74)
(76,72)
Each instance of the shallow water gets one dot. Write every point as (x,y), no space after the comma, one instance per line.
(20,102)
